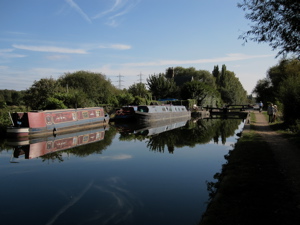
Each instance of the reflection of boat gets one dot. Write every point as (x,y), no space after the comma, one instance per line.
(162,126)
(161,112)
(37,123)
(151,128)
(33,148)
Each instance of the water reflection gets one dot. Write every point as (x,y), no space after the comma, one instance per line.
(159,136)
(180,133)
(49,147)
(114,176)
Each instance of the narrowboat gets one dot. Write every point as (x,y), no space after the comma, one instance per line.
(147,113)
(125,113)
(39,123)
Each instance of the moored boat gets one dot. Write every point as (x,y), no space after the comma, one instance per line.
(125,113)
(147,113)
(37,123)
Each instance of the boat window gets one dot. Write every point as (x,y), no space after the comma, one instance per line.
(143,109)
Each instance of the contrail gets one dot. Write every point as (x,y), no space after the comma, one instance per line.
(72,202)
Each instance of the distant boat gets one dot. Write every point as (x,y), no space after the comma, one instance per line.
(125,113)
(38,123)
(146,113)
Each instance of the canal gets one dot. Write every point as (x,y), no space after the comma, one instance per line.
(119,174)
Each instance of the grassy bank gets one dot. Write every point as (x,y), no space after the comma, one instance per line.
(251,188)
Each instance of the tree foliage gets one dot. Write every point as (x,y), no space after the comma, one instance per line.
(229,86)
(264,90)
(282,87)
(200,75)
(71,90)
(196,90)
(36,97)
(275,22)
(11,97)
(140,90)
(161,87)
(97,88)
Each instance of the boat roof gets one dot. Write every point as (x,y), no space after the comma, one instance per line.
(162,108)
(65,110)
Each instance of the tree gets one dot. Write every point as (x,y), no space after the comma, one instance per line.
(36,96)
(196,90)
(232,91)
(290,97)
(282,87)
(275,22)
(216,74)
(161,87)
(139,89)
(264,91)
(125,99)
(97,88)
(229,86)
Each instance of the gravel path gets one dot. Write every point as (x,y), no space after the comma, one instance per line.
(286,154)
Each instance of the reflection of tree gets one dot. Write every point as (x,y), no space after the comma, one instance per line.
(195,132)
(53,157)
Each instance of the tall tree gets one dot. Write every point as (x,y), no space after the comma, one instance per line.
(161,87)
(139,89)
(36,97)
(97,88)
(276,22)
(264,91)
(230,88)
(216,74)
(196,90)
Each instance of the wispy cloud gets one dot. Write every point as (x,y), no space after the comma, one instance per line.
(117,5)
(57,57)
(50,49)
(116,46)
(227,58)
(119,8)
(15,33)
(79,10)
(8,53)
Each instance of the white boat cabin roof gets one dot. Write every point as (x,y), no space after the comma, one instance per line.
(161,108)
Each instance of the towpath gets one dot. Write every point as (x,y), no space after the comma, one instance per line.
(286,154)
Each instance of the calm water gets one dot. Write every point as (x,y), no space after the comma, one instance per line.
(126,176)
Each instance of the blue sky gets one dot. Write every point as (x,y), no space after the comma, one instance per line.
(128,38)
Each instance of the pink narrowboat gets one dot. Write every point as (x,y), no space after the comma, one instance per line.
(39,123)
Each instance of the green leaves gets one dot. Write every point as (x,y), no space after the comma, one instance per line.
(275,22)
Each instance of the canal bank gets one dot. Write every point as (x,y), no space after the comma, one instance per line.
(260,183)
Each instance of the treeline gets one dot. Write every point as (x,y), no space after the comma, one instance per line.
(281,86)
(88,89)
